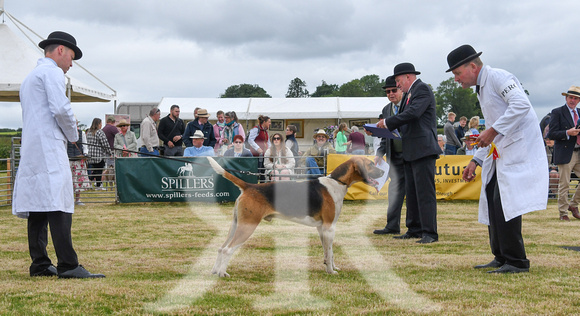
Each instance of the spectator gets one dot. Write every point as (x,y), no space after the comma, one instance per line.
(468,148)
(357,141)
(238,149)
(218,127)
(341,142)
(149,135)
(200,124)
(77,153)
(99,151)
(562,129)
(460,130)
(258,138)
(441,141)
(278,159)
(110,130)
(291,141)
(452,141)
(231,129)
(315,156)
(125,141)
(170,131)
(198,149)
(474,125)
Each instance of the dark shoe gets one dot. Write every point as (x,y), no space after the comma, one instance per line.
(386,231)
(493,264)
(50,271)
(407,236)
(574,211)
(564,218)
(426,240)
(79,273)
(507,268)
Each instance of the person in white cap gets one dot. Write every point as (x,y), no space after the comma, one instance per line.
(198,149)
(43,190)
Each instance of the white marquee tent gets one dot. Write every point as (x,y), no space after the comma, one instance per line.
(18,58)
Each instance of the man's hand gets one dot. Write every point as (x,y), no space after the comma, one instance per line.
(170,144)
(469,172)
(377,158)
(381,124)
(573,132)
(486,137)
(176,138)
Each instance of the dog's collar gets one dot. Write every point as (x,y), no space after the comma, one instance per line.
(337,180)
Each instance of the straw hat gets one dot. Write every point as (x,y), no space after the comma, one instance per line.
(198,134)
(573,91)
(320,132)
(123,122)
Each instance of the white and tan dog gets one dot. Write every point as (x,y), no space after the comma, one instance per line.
(314,203)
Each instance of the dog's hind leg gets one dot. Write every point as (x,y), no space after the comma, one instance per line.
(231,233)
(242,233)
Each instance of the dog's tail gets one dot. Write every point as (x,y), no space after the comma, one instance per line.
(218,169)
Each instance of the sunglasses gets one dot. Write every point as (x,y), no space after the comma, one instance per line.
(391,90)
(276,138)
(238,142)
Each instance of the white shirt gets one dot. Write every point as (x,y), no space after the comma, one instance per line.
(44,180)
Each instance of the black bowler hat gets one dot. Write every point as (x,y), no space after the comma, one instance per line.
(460,56)
(390,82)
(62,38)
(404,68)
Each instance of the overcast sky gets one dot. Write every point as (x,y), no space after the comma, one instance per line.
(147,49)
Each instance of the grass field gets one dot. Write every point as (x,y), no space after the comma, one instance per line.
(157,258)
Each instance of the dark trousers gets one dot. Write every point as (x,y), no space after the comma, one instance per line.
(505,238)
(97,175)
(396,193)
(421,198)
(60,231)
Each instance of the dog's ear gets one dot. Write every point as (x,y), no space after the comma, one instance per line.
(361,166)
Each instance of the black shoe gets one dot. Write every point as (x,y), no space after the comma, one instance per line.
(407,236)
(493,264)
(50,271)
(426,240)
(79,273)
(508,268)
(386,231)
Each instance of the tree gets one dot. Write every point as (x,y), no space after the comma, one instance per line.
(366,86)
(245,90)
(297,89)
(451,97)
(325,90)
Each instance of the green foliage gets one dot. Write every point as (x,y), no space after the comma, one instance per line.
(245,90)
(297,89)
(366,86)
(451,97)
(325,90)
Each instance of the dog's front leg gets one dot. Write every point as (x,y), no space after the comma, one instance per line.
(327,237)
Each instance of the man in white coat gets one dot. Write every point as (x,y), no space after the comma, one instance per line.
(511,153)
(43,190)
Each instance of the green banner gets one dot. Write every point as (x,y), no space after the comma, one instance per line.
(166,180)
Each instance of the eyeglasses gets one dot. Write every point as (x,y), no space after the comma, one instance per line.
(391,90)
(276,138)
(238,142)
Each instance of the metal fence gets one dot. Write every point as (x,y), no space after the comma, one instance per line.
(99,185)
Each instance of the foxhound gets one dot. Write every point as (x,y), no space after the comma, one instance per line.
(315,203)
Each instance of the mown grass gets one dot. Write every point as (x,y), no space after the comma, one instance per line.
(157,259)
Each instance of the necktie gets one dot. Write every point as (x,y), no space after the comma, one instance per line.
(576,124)
(477,89)
(396,109)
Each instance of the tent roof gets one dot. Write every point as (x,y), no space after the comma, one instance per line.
(18,58)
(281,108)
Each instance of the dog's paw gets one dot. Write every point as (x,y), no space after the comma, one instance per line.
(224,275)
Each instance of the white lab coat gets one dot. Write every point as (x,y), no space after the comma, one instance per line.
(522,169)
(44,180)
